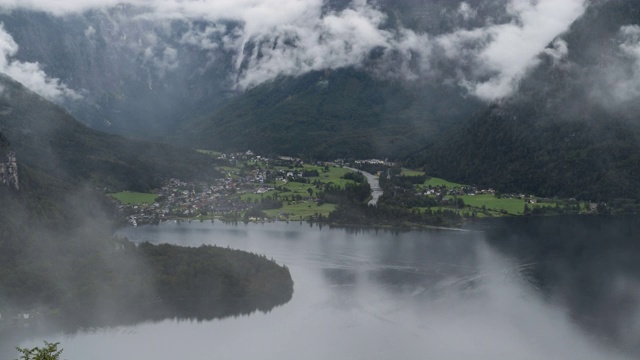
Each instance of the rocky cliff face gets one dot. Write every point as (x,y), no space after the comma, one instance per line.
(8,165)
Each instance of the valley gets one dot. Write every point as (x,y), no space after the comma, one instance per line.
(441,179)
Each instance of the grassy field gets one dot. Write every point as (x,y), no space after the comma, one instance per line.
(512,206)
(296,188)
(334,175)
(439,182)
(209,152)
(254,197)
(409,172)
(291,188)
(128,198)
(490,202)
(232,171)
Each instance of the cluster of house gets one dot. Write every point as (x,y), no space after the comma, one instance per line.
(179,199)
(441,191)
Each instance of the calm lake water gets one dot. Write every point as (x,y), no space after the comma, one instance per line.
(561,288)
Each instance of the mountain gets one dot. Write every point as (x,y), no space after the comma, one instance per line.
(135,77)
(143,75)
(403,83)
(345,113)
(573,128)
(49,140)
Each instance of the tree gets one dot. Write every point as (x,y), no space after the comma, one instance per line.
(48,352)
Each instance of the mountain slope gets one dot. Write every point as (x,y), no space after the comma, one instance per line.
(48,139)
(118,64)
(566,132)
(333,114)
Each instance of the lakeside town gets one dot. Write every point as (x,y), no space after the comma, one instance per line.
(292,187)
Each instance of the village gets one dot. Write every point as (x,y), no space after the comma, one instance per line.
(245,173)
(249,178)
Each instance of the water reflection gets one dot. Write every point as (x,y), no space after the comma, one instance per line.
(589,266)
(526,289)
(340,277)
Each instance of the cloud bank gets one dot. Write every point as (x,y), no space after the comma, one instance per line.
(30,74)
(291,37)
(496,57)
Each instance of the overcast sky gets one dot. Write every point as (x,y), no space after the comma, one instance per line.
(297,37)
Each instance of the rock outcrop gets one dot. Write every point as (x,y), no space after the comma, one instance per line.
(8,165)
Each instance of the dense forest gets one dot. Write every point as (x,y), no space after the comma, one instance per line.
(330,114)
(587,159)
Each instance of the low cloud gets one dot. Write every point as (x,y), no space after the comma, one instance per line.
(615,82)
(626,84)
(30,74)
(466,11)
(90,32)
(558,50)
(498,56)
(272,38)
(335,40)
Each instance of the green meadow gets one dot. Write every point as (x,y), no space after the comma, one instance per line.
(209,152)
(409,172)
(492,203)
(433,181)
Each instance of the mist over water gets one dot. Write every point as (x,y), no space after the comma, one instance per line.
(374,294)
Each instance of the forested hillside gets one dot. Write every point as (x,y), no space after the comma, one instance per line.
(573,128)
(48,139)
(333,114)
(589,159)
(109,58)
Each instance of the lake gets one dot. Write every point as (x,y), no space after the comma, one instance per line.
(543,288)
